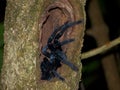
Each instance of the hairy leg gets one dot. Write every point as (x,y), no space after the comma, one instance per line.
(62,29)
(64,60)
(65,27)
(45,52)
(66,41)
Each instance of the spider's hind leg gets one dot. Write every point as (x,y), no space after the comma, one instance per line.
(57,75)
(46,67)
(64,60)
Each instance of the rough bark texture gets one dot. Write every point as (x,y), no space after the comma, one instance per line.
(100,32)
(27,30)
(21,45)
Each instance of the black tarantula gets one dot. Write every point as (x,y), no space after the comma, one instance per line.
(54,54)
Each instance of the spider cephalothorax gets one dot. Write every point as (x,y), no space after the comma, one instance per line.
(54,54)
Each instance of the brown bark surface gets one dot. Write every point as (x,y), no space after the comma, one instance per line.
(27,29)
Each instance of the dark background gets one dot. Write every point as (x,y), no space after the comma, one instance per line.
(93,75)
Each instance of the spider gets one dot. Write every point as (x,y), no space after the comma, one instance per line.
(54,54)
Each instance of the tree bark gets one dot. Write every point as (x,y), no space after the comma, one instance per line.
(28,24)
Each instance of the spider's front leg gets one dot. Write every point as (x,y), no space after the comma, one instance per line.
(45,52)
(65,27)
(58,32)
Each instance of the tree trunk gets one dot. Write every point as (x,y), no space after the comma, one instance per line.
(28,24)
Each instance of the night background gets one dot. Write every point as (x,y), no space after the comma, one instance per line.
(93,76)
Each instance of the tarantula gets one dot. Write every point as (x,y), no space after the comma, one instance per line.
(54,54)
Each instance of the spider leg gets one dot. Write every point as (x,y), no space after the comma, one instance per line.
(59,44)
(44,51)
(58,75)
(65,27)
(54,34)
(49,70)
(70,24)
(62,29)
(64,60)
(67,41)
(46,70)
